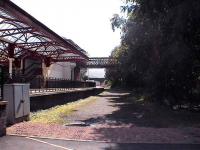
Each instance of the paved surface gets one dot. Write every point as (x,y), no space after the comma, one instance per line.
(26,143)
(120,120)
(96,111)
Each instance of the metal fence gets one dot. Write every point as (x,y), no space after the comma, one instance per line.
(39,82)
(54,90)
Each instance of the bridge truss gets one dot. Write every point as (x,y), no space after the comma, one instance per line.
(101,62)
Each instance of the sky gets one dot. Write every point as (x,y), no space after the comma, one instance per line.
(86,22)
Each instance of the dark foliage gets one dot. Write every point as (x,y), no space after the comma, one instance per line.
(160,49)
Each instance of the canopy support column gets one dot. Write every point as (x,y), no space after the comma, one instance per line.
(10,67)
(45,69)
(11,48)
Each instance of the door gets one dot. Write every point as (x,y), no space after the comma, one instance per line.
(19,101)
(22,100)
(26,99)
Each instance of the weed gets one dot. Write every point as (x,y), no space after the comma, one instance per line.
(56,114)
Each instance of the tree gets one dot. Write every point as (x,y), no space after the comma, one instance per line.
(160,48)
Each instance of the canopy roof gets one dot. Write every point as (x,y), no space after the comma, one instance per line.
(27,36)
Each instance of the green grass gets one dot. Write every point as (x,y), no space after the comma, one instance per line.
(55,115)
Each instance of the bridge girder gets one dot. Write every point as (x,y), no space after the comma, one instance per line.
(101,62)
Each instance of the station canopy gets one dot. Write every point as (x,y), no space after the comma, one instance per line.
(22,35)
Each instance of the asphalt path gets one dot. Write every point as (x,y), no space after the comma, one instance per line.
(32,143)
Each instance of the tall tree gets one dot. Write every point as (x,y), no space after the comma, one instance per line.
(160,48)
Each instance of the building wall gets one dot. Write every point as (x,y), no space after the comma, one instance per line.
(62,70)
(29,62)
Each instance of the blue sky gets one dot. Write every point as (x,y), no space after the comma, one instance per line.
(86,22)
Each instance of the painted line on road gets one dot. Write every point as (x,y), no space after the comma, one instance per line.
(54,145)
(64,139)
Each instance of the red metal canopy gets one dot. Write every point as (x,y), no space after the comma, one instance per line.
(21,34)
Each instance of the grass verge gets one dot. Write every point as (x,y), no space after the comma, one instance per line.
(55,115)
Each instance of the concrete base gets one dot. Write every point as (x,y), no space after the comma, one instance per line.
(3,118)
(21,119)
(46,101)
